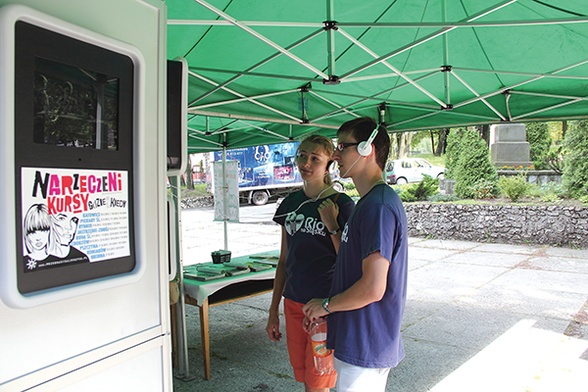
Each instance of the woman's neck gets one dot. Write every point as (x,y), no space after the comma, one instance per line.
(316,189)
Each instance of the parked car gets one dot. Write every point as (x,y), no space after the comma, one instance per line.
(402,171)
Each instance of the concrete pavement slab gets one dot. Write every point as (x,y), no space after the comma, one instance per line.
(530,281)
(510,248)
(567,252)
(443,281)
(559,263)
(443,244)
(526,302)
(486,259)
(426,253)
(479,317)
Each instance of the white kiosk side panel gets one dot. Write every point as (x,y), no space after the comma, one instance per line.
(83,254)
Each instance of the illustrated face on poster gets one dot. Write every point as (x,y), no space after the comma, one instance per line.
(73,216)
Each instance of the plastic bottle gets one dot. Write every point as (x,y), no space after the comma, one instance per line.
(323,357)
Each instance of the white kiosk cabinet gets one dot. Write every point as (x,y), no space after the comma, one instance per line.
(83,229)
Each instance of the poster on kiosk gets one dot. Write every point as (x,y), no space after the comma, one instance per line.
(83,263)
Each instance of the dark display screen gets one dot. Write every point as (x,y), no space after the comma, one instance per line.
(75,107)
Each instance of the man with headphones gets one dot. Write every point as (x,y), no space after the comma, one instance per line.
(368,293)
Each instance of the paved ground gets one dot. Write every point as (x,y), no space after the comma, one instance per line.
(479,317)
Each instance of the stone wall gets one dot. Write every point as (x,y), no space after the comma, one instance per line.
(511,224)
(537,177)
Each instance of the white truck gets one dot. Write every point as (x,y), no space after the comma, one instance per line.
(265,171)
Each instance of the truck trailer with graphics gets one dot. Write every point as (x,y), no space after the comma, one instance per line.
(265,171)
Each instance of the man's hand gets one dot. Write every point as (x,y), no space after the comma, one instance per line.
(329,212)
(314,310)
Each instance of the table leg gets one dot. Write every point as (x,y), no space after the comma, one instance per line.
(205,338)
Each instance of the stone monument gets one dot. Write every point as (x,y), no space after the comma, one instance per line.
(509,146)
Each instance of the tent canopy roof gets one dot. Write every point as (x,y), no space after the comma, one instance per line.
(267,71)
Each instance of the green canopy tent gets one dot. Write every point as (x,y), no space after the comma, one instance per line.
(268,71)
(264,71)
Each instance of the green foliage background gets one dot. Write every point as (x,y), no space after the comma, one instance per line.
(575,171)
(475,176)
(540,141)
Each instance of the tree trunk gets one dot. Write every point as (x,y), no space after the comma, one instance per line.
(484,131)
(394,145)
(189,178)
(404,144)
(432,141)
(442,142)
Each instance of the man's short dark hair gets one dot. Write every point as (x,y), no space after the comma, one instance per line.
(361,129)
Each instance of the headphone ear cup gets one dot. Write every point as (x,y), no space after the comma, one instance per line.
(364,149)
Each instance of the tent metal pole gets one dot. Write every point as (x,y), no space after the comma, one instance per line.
(549,75)
(461,24)
(548,108)
(478,95)
(183,364)
(390,66)
(333,103)
(205,140)
(372,97)
(242,96)
(225,194)
(255,66)
(493,93)
(426,38)
(387,25)
(390,75)
(330,27)
(537,77)
(249,72)
(257,118)
(445,55)
(262,38)
(558,96)
(448,112)
(256,23)
(237,100)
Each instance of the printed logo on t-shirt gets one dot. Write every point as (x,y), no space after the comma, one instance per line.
(344,233)
(310,225)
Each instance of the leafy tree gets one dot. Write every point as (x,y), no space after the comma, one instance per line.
(452,151)
(575,171)
(554,158)
(474,174)
(437,137)
(540,141)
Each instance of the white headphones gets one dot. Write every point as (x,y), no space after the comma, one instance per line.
(365,148)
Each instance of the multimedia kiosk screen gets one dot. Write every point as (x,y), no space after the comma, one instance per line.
(74,108)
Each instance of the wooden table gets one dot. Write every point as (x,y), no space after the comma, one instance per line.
(205,294)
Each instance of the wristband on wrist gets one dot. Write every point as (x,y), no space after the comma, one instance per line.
(334,232)
(326,305)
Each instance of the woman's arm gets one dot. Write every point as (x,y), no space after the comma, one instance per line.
(273,322)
